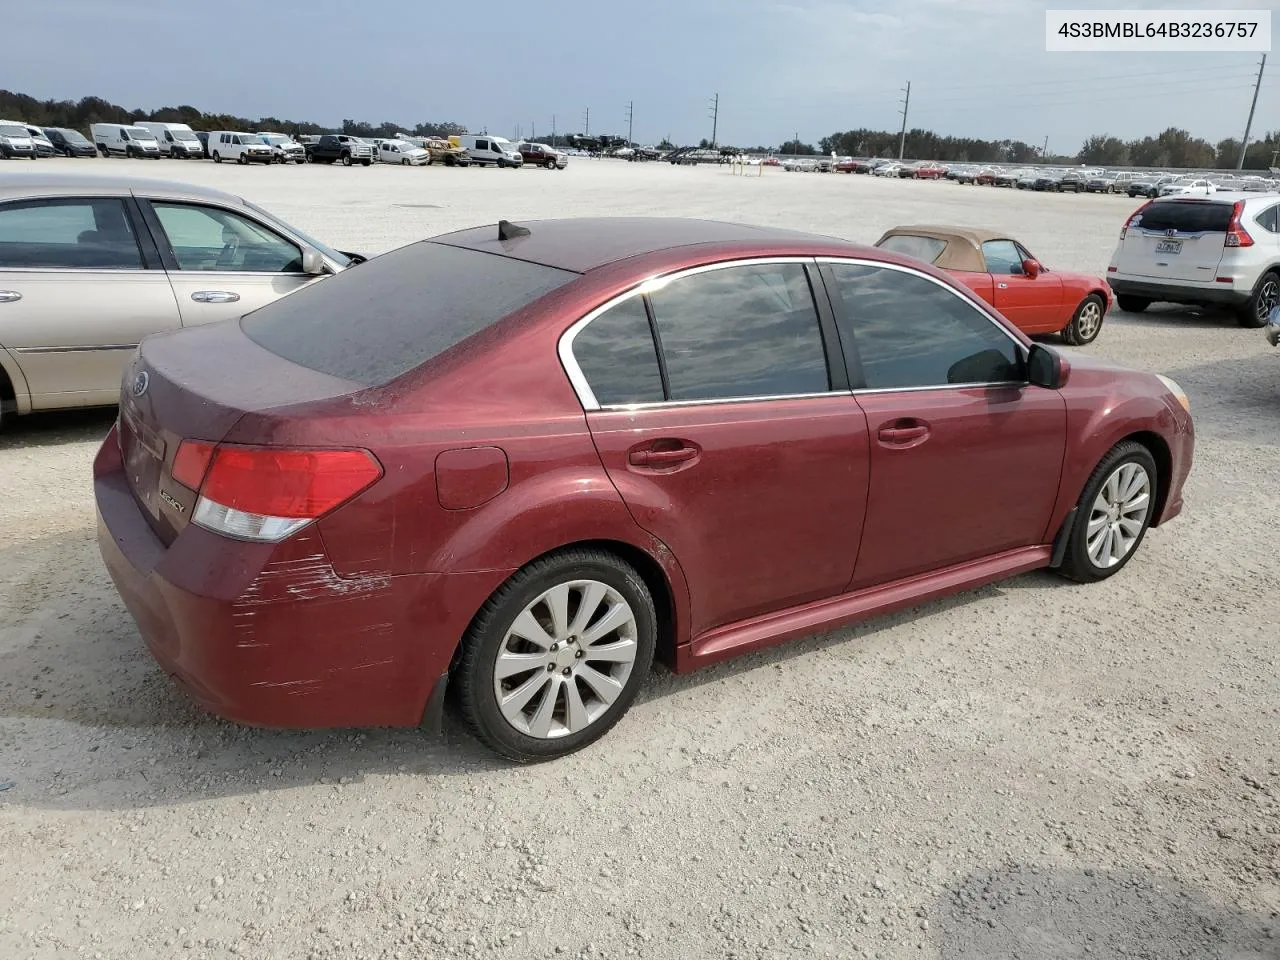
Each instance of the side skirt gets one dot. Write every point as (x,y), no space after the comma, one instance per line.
(771,629)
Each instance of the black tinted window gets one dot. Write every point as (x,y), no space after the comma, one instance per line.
(1002,256)
(617,355)
(382,318)
(76,233)
(1269,219)
(910,332)
(922,248)
(747,331)
(1185,216)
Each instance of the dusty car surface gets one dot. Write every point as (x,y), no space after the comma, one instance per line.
(551,452)
(89,265)
(1006,275)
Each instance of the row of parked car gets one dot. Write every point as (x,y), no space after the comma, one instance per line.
(153,140)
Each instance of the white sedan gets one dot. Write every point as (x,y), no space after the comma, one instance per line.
(401,151)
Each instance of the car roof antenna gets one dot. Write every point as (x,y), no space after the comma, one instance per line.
(509,231)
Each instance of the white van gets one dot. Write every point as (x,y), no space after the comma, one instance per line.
(240,147)
(177,140)
(124,140)
(484,149)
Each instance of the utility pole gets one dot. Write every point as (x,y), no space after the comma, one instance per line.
(902,137)
(715,118)
(1044,151)
(553,129)
(1244,144)
(533,130)
(631,110)
(795,145)
(586,124)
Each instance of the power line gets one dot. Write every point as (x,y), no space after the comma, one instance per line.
(1164,87)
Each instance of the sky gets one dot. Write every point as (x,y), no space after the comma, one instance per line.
(781,67)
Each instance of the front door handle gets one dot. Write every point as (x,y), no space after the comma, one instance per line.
(661,458)
(9,296)
(215,296)
(903,433)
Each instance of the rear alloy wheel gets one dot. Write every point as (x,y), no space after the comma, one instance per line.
(1132,304)
(557,655)
(1113,513)
(1264,299)
(1086,323)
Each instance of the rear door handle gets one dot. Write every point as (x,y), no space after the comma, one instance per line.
(661,458)
(9,296)
(215,296)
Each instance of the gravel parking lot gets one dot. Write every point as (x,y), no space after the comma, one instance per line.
(1034,769)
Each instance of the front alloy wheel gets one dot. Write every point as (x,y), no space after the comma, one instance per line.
(1113,513)
(557,654)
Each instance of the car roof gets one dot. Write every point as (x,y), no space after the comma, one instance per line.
(17,186)
(963,249)
(1221,196)
(585,243)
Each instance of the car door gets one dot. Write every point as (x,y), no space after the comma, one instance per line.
(222,263)
(965,455)
(80,285)
(732,442)
(1032,303)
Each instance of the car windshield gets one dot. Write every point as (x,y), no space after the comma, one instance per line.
(273,138)
(341,259)
(413,304)
(183,135)
(12,130)
(73,136)
(139,133)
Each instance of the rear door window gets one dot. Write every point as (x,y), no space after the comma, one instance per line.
(617,355)
(1185,217)
(1269,219)
(80,233)
(383,318)
(742,331)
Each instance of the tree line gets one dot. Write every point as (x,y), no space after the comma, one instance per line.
(1172,148)
(79,114)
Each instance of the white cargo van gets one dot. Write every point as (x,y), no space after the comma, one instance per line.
(240,147)
(124,140)
(485,149)
(177,140)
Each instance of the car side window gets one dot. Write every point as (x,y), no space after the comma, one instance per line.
(85,234)
(210,238)
(1269,219)
(1002,257)
(482,144)
(908,331)
(742,331)
(124,134)
(617,355)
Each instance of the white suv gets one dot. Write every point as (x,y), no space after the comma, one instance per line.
(1223,249)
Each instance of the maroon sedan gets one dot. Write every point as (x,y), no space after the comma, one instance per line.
(520,462)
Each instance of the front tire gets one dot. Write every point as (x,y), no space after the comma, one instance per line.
(1113,514)
(550,164)
(1131,304)
(1086,323)
(1265,296)
(556,656)
(346,159)
(217,157)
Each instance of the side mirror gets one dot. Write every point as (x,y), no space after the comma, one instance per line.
(1031,268)
(312,262)
(1046,368)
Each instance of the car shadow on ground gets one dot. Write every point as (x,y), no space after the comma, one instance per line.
(54,427)
(1053,913)
(75,657)
(1180,317)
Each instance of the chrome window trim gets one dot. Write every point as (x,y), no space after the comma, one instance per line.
(81,349)
(578,380)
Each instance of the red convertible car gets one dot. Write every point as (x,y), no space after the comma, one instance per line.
(522,461)
(1001,271)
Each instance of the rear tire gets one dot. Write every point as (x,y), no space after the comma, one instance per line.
(1086,323)
(565,723)
(1118,505)
(1265,296)
(1132,304)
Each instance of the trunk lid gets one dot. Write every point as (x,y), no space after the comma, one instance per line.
(196,385)
(1179,239)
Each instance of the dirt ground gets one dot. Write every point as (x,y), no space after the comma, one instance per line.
(1035,769)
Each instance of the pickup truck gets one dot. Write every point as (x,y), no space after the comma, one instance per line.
(339,148)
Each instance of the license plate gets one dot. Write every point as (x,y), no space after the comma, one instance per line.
(1169,246)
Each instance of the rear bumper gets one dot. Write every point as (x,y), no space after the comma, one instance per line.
(1174,292)
(269,634)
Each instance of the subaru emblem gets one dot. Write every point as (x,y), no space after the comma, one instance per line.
(140,383)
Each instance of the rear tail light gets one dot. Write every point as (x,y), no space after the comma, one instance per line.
(1133,219)
(268,493)
(1237,236)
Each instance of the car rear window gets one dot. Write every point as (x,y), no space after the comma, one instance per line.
(1186,216)
(927,249)
(380,319)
